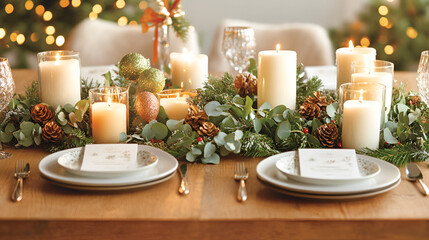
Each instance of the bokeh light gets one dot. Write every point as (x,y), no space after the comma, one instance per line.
(60,40)
(34,37)
(412,33)
(120,4)
(50,30)
(97,8)
(364,42)
(29,5)
(143,5)
(13,36)
(93,15)
(50,40)
(388,49)
(47,16)
(384,21)
(9,8)
(20,39)
(122,21)
(383,10)
(76,3)
(64,3)
(2,33)
(40,9)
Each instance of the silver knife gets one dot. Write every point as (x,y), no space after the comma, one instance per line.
(184,188)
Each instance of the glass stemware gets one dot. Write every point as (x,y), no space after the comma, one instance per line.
(238,46)
(423,76)
(7,88)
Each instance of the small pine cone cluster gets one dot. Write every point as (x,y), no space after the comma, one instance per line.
(196,117)
(309,111)
(41,113)
(198,120)
(208,129)
(51,132)
(318,99)
(246,84)
(415,100)
(327,134)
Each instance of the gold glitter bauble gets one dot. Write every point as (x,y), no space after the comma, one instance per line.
(132,65)
(147,106)
(151,80)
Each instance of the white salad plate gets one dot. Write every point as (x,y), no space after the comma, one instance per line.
(268,172)
(50,169)
(72,162)
(289,165)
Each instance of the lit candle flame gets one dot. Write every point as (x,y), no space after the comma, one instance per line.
(278,47)
(184,50)
(181,85)
(351,44)
(57,57)
(109,101)
(177,97)
(361,95)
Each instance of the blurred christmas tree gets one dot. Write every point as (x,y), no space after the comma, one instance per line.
(396,28)
(41,25)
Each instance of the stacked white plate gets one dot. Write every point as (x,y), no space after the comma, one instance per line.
(67,174)
(377,176)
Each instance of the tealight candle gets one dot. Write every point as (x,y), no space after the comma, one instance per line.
(361,117)
(188,70)
(59,77)
(174,102)
(277,77)
(109,113)
(345,57)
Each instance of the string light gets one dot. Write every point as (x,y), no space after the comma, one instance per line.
(47,16)
(60,40)
(412,33)
(364,42)
(9,8)
(64,3)
(50,30)
(120,4)
(40,10)
(122,21)
(75,3)
(20,39)
(2,33)
(13,36)
(97,8)
(50,40)
(143,5)
(384,21)
(133,23)
(93,15)
(388,49)
(34,37)
(383,10)
(29,5)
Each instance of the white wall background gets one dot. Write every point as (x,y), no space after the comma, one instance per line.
(206,14)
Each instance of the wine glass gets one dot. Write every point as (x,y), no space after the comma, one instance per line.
(238,46)
(423,76)
(7,88)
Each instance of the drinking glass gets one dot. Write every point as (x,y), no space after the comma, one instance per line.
(238,46)
(7,88)
(423,76)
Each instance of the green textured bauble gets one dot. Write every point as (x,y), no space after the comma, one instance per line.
(151,80)
(132,65)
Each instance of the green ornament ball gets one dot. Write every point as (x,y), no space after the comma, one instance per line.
(132,65)
(151,80)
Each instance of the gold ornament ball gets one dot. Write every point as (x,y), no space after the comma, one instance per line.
(151,80)
(132,65)
(147,106)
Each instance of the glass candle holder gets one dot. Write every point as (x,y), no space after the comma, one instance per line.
(59,77)
(175,102)
(377,71)
(109,108)
(362,110)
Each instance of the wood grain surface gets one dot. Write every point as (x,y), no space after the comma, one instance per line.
(210,211)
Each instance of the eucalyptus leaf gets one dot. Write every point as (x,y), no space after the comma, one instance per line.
(186,128)
(209,149)
(227,124)
(388,137)
(10,128)
(190,157)
(162,115)
(391,125)
(283,130)
(257,125)
(331,109)
(26,142)
(223,107)
(313,140)
(67,129)
(220,139)
(315,124)
(287,113)
(123,137)
(401,108)
(196,151)
(173,125)
(213,159)
(62,118)
(238,111)
(277,113)
(147,132)
(211,109)
(6,137)
(186,142)
(159,130)
(68,108)
(37,140)
(265,106)
(27,128)
(412,117)
(238,134)
(223,151)
(238,100)
(82,105)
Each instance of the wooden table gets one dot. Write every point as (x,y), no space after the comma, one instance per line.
(210,211)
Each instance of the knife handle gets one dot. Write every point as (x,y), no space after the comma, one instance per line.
(184,188)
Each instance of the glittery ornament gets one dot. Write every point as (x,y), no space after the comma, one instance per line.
(147,106)
(132,65)
(151,80)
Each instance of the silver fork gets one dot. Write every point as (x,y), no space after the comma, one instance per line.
(240,173)
(21,172)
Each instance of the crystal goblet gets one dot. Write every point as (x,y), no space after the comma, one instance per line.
(423,76)
(7,89)
(238,46)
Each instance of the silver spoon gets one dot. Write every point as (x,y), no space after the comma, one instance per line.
(414,174)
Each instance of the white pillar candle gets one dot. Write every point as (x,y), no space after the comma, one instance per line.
(345,57)
(188,70)
(175,108)
(361,124)
(277,78)
(59,79)
(109,119)
(384,78)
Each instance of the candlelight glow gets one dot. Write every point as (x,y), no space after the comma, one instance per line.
(351,44)
(361,95)
(278,47)
(109,101)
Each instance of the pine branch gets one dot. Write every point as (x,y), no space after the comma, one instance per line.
(181,26)
(86,85)
(399,155)
(257,145)
(76,138)
(219,89)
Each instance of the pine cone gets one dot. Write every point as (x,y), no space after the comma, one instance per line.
(309,111)
(246,84)
(327,134)
(318,99)
(196,117)
(208,129)
(415,100)
(41,113)
(51,132)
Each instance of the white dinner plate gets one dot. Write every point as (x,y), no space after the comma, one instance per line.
(72,162)
(333,197)
(50,169)
(288,164)
(267,171)
(112,188)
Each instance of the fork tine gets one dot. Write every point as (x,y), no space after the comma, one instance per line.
(16,166)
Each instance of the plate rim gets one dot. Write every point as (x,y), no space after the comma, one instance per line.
(323,189)
(116,181)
